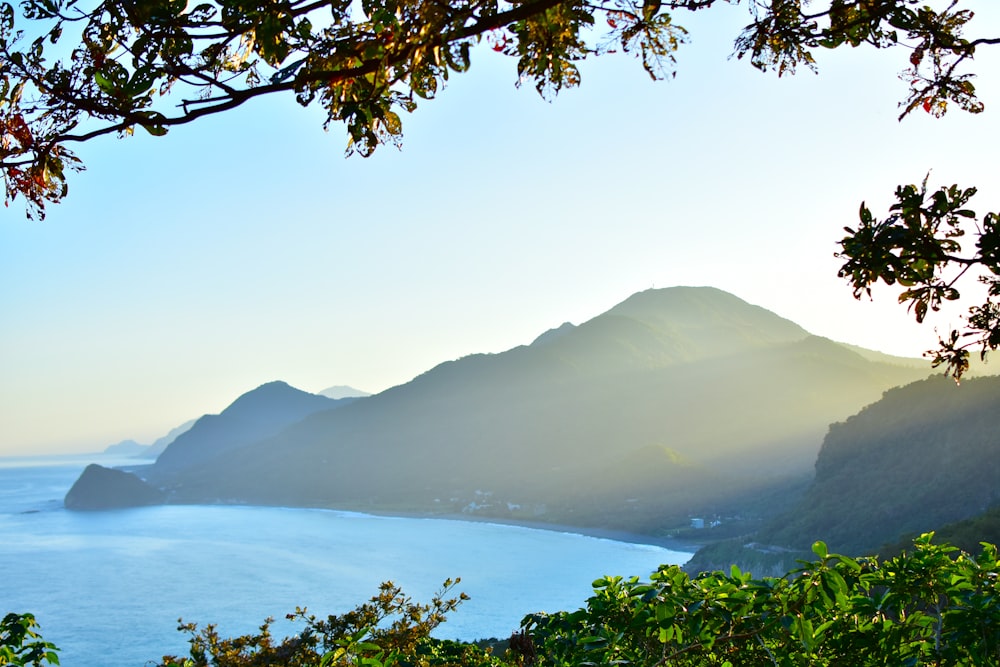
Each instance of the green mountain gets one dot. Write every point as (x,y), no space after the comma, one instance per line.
(675,403)
(926,457)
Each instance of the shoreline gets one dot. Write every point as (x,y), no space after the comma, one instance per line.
(629,537)
(669,543)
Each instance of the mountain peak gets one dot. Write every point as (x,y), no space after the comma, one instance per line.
(709,317)
(339,391)
(257,414)
(684,305)
(268,394)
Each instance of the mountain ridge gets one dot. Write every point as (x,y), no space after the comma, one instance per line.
(572,429)
(256,414)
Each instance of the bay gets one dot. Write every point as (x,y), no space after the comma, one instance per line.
(109,587)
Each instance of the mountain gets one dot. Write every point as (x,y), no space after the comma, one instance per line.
(161,443)
(926,457)
(343,391)
(675,403)
(125,448)
(256,414)
(134,449)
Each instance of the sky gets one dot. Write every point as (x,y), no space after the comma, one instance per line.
(185,270)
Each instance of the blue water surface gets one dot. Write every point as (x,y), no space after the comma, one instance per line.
(109,587)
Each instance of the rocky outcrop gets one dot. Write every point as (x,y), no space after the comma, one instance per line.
(100,488)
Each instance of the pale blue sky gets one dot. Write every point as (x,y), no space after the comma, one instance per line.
(186,270)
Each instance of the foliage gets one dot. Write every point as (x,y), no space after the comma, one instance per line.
(918,245)
(966,535)
(932,606)
(389,629)
(20,643)
(73,70)
(761,558)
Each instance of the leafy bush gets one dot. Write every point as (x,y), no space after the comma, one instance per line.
(389,629)
(932,606)
(20,643)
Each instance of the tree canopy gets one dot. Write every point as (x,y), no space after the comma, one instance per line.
(74,70)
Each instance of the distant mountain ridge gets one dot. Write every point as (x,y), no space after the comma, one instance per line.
(153,451)
(675,403)
(125,448)
(257,414)
(339,391)
(163,442)
(137,450)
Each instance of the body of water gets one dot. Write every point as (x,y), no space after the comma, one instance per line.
(108,587)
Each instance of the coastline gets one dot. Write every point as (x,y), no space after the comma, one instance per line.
(629,537)
(670,543)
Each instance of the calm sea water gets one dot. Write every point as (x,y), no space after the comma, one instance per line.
(109,587)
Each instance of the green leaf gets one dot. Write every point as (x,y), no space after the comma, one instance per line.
(104,83)
(153,123)
(141,81)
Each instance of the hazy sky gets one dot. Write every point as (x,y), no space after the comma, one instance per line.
(186,270)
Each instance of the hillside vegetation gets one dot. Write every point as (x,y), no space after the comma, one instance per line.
(925,457)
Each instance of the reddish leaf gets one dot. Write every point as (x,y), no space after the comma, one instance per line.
(17,127)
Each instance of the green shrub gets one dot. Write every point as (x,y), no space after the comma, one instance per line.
(931,606)
(388,630)
(20,644)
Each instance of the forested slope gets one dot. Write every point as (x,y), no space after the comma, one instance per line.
(926,457)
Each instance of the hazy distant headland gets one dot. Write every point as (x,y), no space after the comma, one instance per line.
(677,404)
